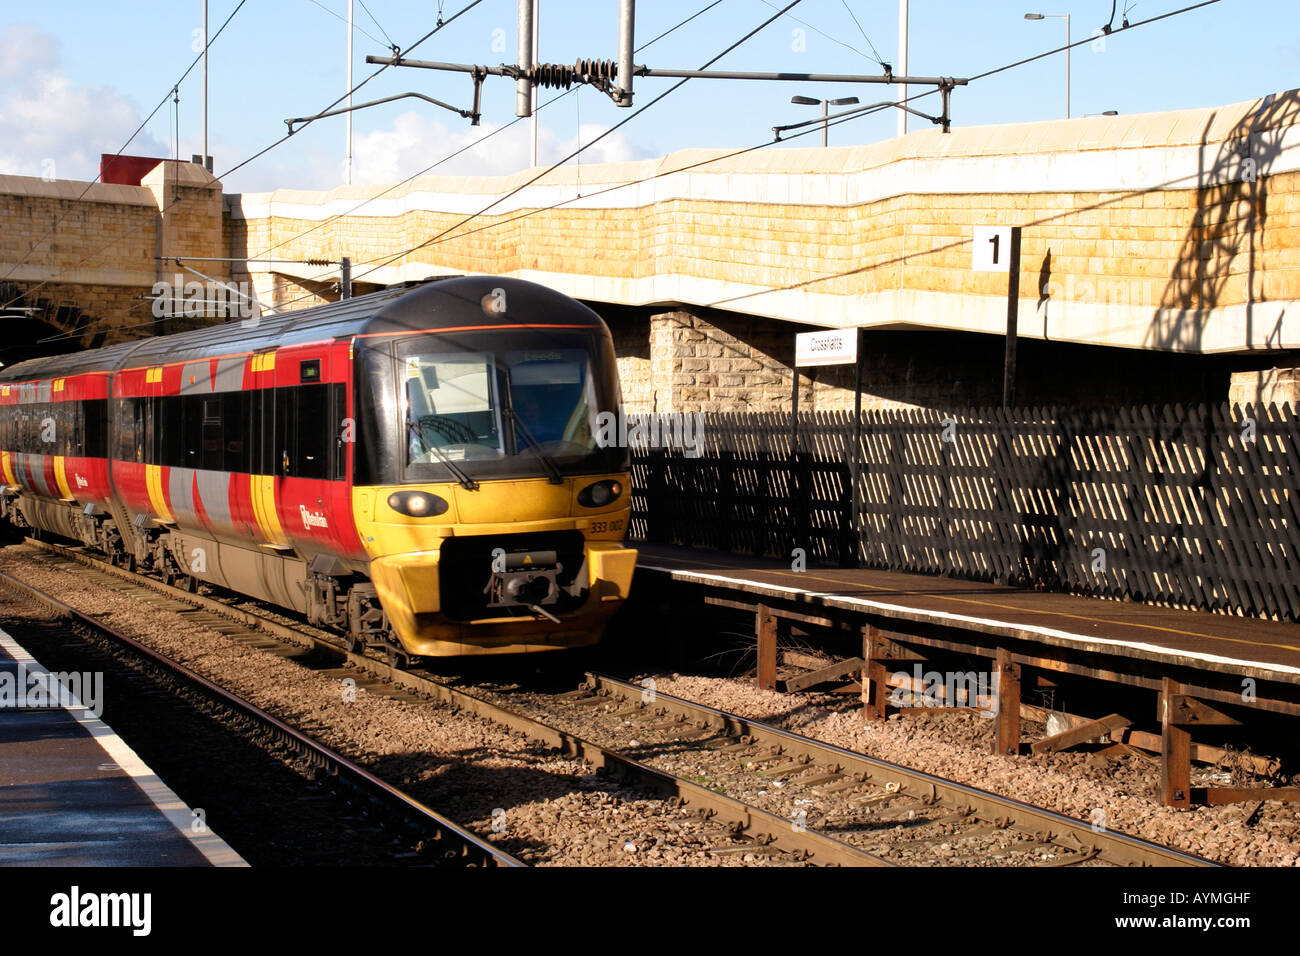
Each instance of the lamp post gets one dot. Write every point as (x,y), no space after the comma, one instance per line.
(1066,18)
(824,104)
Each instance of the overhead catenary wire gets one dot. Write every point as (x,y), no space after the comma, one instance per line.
(678,26)
(369,199)
(87,257)
(375,21)
(441,23)
(844,118)
(833,39)
(621,123)
(857,24)
(849,116)
(359,29)
(464,149)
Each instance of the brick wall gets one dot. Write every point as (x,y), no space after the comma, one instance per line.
(89,251)
(1169,231)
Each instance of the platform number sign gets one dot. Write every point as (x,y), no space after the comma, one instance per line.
(991,251)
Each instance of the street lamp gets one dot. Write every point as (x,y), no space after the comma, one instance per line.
(1066,18)
(824,104)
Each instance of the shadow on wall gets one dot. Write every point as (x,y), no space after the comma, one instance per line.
(1217,236)
(32,327)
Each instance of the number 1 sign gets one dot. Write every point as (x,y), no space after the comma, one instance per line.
(991,251)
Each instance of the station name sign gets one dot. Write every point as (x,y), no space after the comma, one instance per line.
(836,347)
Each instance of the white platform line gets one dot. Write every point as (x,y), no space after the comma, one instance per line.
(1067,636)
(214,849)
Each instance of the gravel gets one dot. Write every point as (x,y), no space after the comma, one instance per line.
(955,744)
(543,808)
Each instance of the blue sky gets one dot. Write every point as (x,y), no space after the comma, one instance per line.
(77,77)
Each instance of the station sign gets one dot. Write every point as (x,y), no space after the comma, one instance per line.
(834,347)
(991,250)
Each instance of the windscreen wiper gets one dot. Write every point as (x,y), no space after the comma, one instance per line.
(465,481)
(553,473)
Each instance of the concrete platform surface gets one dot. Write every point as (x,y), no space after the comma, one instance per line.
(1268,650)
(72,793)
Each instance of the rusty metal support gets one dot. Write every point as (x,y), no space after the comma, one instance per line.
(1008,717)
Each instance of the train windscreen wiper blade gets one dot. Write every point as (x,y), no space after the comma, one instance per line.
(465,481)
(552,471)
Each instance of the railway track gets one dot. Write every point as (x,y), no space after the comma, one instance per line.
(771,792)
(390,812)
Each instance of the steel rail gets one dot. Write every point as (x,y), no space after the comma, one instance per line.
(763,829)
(1114,847)
(1046,826)
(452,842)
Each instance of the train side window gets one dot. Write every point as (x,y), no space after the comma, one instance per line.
(211,430)
(149,416)
(169,432)
(270,456)
(72,430)
(234,416)
(335,435)
(127,434)
(47,429)
(94,414)
(311,416)
(285,433)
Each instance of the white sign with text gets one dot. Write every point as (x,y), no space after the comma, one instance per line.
(836,347)
(992,249)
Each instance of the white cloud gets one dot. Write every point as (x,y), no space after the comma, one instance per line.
(51,126)
(416,141)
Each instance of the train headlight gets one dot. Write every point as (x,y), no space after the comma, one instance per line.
(417,504)
(600,494)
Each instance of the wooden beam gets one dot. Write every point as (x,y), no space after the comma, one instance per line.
(875,679)
(1188,711)
(1008,718)
(1218,796)
(1175,751)
(824,674)
(1080,734)
(766,628)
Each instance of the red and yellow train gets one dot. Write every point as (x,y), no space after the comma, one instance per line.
(418,468)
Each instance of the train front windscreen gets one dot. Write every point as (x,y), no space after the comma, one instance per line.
(494,404)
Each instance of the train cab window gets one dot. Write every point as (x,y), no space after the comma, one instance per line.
(451,407)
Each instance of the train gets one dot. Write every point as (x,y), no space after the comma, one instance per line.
(419,469)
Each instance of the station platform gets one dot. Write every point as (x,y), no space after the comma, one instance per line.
(1103,638)
(72,793)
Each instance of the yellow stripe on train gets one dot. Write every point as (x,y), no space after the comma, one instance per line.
(153,482)
(262,491)
(61,476)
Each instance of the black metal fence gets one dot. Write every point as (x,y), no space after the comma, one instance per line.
(1190,506)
